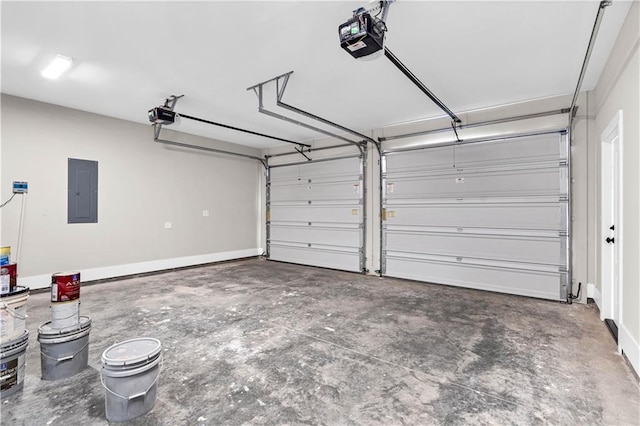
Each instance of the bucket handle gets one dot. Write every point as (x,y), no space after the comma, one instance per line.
(138,395)
(65,358)
(13,312)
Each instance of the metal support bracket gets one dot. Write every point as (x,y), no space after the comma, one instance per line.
(258,90)
(280,89)
(302,153)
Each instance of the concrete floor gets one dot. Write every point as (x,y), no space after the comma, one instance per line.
(257,342)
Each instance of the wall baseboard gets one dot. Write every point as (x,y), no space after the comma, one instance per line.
(594,292)
(630,347)
(44,281)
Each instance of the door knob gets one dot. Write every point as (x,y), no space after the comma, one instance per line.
(610,240)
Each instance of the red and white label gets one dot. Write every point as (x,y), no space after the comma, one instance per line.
(65,287)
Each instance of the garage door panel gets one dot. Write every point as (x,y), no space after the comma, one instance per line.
(323,257)
(342,190)
(513,281)
(317,170)
(496,215)
(536,251)
(524,150)
(535,182)
(316,235)
(317,213)
(508,151)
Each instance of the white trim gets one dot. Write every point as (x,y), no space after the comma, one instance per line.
(612,308)
(630,347)
(44,281)
(594,292)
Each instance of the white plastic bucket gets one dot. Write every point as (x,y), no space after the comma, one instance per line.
(13,314)
(65,314)
(130,372)
(64,352)
(12,359)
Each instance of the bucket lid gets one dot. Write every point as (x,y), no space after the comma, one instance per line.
(48,332)
(16,291)
(130,352)
(65,274)
(13,346)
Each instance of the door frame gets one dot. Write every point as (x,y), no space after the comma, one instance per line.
(611,180)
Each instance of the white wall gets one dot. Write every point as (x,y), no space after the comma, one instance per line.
(142,184)
(619,89)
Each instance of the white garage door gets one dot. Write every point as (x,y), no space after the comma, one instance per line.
(491,215)
(316,214)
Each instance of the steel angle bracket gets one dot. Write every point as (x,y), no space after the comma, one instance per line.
(259,91)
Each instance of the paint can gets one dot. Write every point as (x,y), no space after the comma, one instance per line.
(65,299)
(64,352)
(5,255)
(13,313)
(130,372)
(8,278)
(65,286)
(12,360)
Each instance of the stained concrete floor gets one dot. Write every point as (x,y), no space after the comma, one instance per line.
(258,342)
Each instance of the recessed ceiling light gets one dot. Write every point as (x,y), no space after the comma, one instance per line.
(59,65)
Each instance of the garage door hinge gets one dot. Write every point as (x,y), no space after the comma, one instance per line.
(563,269)
(564,198)
(563,163)
(563,233)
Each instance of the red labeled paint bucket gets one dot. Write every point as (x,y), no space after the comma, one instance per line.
(65,299)
(8,278)
(65,286)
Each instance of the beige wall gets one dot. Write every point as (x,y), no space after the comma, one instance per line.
(142,185)
(619,89)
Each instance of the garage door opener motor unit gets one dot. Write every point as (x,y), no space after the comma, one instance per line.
(363,35)
(162,115)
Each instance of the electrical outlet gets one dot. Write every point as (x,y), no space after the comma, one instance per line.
(167,225)
(205,213)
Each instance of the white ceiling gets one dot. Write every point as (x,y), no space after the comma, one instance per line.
(129,56)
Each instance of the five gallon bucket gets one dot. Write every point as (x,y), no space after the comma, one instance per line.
(13,314)
(64,352)
(12,358)
(130,372)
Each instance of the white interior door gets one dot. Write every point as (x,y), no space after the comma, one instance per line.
(316,213)
(491,215)
(611,221)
